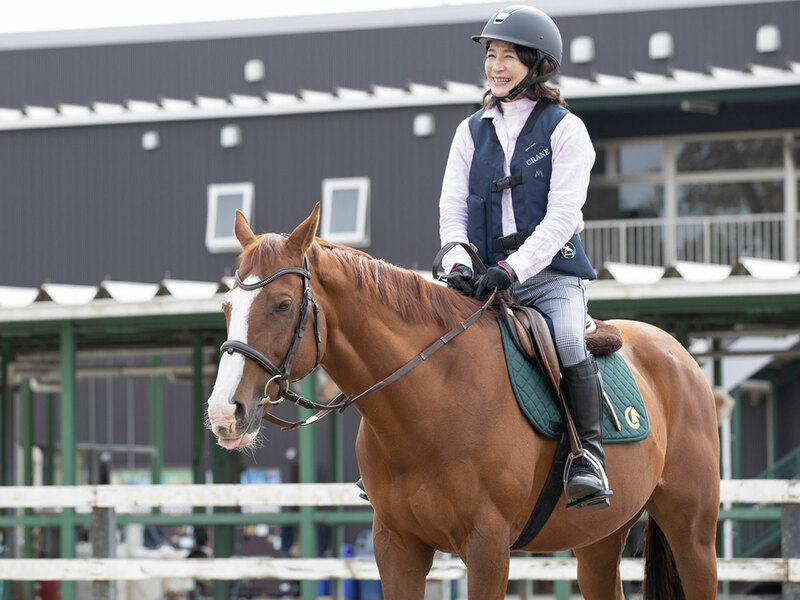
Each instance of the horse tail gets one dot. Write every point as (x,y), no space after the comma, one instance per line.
(661,580)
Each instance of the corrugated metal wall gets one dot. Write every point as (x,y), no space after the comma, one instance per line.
(722,36)
(93,204)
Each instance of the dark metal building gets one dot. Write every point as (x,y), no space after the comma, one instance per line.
(123,153)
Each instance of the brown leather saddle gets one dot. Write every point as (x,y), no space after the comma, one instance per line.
(531,335)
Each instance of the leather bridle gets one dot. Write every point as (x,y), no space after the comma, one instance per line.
(281,375)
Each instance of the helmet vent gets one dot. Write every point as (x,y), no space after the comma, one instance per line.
(501,16)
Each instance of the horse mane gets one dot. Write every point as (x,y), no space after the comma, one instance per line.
(411,296)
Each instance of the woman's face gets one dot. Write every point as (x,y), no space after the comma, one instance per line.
(503,67)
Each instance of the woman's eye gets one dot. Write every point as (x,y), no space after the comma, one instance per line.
(283,306)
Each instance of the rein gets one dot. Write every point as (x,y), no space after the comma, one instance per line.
(342,401)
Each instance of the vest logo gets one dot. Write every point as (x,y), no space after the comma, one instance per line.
(632,417)
(531,146)
(539,174)
(568,251)
(538,156)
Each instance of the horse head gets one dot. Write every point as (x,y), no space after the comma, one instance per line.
(266,311)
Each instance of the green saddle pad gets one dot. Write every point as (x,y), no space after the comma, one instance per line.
(540,404)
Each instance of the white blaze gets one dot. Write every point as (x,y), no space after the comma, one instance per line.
(231,366)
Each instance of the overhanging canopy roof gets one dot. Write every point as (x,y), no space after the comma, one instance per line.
(752,295)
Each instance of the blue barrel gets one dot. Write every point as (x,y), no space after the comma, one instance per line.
(367,589)
(350,586)
(324,589)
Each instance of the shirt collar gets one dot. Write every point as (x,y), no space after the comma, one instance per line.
(525,106)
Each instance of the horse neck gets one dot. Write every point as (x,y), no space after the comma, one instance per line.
(366,340)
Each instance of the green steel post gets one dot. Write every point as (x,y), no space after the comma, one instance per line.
(308,474)
(26,440)
(7,424)
(197,411)
(736,435)
(6,444)
(774,400)
(49,469)
(716,346)
(561,588)
(337,474)
(68,348)
(682,333)
(225,467)
(156,425)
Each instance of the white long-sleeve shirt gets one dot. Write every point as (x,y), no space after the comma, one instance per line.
(573,156)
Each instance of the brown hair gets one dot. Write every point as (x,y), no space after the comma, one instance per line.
(537,91)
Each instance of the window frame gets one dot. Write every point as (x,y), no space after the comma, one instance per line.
(214,244)
(360,236)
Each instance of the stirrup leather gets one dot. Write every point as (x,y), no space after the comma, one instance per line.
(596,500)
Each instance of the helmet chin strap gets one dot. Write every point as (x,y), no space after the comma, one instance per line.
(527,81)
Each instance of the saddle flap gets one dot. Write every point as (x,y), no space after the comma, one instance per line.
(539,333)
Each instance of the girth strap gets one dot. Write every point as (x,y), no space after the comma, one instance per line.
(548,497)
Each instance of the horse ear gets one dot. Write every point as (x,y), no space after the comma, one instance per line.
(242,231)
(304,233)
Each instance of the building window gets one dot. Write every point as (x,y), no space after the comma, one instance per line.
(345,211)
(661,45)
(768,39)
(581,50)
(223,201)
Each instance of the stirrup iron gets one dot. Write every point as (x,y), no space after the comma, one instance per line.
(596,500)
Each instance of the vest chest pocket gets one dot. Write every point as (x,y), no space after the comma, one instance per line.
(537,161)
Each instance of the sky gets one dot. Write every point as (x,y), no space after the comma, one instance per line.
(19,16)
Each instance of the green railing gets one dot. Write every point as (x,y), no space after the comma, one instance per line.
(759,538)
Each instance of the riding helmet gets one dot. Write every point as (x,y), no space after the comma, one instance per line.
(525,26)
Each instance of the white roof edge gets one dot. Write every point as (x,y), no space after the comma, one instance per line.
(311,23)
(109,308)
(134,299)
(377,97)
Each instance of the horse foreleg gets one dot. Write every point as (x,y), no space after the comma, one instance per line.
(598,566)
(403,562)
(486,556)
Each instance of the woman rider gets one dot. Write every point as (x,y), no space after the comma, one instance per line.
(513,187)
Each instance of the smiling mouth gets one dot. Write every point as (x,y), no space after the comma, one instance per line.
(500,80)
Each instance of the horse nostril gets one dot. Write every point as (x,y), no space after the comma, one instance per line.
(239,411)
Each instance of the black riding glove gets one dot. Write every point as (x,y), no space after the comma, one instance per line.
(462,283)
(499,277)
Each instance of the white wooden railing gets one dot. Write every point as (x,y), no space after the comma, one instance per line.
(784,492)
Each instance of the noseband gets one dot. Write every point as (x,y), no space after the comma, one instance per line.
(280,375)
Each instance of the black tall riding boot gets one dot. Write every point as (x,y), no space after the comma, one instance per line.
(586,483)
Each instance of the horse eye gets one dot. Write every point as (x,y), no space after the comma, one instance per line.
(283,306)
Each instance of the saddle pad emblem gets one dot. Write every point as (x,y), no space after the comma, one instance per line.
(632,417)
(540,406)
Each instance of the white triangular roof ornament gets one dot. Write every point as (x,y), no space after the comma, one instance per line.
(17,297)
(634,274)
(70,295)
(762,268)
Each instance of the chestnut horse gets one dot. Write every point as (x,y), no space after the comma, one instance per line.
(447,458)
